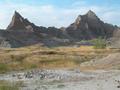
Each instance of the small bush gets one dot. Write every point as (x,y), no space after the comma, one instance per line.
(99,43)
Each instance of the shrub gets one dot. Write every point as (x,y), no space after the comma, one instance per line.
(99,43)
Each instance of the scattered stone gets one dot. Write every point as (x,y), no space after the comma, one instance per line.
(118,86)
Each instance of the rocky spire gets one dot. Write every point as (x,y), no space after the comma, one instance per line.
(91,14)
(17,15)
(89,26)
(17,22)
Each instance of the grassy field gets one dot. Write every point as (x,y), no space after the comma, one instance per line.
(42,57)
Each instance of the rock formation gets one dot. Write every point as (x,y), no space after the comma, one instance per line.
(19,23)
(21,32)
(89,26)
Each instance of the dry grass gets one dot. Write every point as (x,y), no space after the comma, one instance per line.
(43,57)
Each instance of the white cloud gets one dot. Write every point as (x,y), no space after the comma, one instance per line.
(112,16)
(50,15)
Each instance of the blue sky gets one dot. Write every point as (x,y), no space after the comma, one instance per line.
(58,12)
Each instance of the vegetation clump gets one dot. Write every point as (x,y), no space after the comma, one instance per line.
(99,43)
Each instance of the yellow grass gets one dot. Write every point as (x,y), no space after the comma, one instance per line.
(43,57)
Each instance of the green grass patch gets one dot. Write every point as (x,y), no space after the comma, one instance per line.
(99,43)
(3,68)
(8,86)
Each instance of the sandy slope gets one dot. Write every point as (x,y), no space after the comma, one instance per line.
(112,61)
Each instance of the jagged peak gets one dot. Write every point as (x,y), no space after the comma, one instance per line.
(91,14)
(17,22)
(16,12)
(17,15)
(20,23)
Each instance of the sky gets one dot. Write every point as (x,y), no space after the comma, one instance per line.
(58,13)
